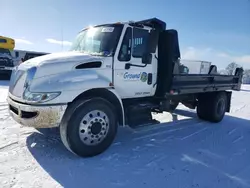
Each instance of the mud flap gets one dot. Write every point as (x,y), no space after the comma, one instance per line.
(229,95)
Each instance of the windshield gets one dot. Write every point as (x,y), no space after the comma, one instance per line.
(101,40)
(4,51)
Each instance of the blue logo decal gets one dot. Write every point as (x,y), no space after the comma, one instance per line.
(144,77)
(129,76)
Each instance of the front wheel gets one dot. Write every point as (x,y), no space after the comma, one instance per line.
(89,127)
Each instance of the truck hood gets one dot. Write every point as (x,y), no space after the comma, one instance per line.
(58,65)
(57,62)
(62,57)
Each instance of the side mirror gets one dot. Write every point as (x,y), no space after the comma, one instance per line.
(150,47)
(146,58)
(152,41)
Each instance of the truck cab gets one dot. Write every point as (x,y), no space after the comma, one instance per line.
(114,75)
(122,46)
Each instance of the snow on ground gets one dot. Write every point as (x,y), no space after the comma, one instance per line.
(181,152)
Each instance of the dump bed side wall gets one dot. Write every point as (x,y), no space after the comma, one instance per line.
(183,84)
(168,53)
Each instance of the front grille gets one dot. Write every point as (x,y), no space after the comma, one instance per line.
(6,62)
(28,115)
(3,62)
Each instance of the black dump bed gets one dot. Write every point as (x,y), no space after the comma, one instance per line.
(170,82)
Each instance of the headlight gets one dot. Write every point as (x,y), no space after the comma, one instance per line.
(39,97)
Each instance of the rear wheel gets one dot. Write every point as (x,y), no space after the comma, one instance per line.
(89,127)
(212,107)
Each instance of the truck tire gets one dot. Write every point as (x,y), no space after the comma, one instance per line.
(88,127)
(202,108)
(212,107)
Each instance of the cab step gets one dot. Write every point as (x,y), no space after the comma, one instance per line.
(140,116)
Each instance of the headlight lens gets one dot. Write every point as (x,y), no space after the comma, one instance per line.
(39,97)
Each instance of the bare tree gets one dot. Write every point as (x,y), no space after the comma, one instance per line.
(247,72)
(246,76)
(231,68)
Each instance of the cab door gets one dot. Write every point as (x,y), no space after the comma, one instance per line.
(132,78)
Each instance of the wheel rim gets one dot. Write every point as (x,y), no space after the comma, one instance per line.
(221,107)
(94,127)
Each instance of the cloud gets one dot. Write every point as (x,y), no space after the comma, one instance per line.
(243,59)
(223,55)
(54,41)
(221,59)
(23,41)
(239,59)
(194,53)
(189,53)
(53,10)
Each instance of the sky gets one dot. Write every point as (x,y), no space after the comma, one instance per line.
(209,30)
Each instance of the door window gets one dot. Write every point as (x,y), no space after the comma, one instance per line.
(125,50)
(140,37)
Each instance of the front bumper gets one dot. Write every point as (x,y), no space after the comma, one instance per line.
(5,71)
(36,116)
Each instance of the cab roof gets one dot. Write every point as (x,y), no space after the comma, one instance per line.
(152,22)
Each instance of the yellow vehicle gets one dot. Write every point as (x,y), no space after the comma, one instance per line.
(10,57)
(7,43)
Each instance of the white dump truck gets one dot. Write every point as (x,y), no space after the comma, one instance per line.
(116,74)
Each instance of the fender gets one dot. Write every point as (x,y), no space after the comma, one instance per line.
(110,95)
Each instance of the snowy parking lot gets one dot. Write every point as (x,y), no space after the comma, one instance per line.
(181,152)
